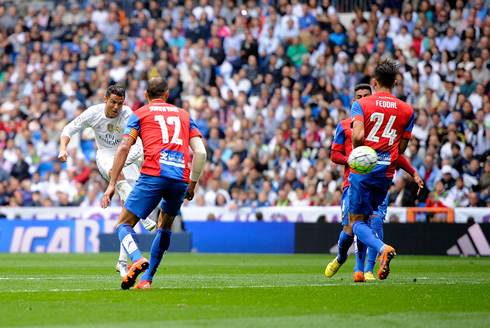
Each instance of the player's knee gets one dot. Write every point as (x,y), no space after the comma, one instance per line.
(354,218)
(167,224)
(121,177)
(348,229)
(127,217)
(165,221)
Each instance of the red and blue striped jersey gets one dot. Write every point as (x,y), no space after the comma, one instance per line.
(342,142)
(386,121)
(165,131)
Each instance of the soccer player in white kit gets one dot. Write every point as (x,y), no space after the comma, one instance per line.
(109,120)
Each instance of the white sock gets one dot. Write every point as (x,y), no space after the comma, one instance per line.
(146,221)
(123,188)
(123,257)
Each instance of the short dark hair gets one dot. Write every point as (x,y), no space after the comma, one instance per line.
(115,89)
(157,87)
(385,73)
(362,86)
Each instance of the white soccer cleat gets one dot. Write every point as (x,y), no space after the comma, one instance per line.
(122,268)
(148,224)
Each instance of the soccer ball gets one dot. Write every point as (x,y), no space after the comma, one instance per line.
(363,160)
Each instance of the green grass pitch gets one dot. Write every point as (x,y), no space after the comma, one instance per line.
(217,290)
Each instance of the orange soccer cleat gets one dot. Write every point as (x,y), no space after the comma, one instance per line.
(384,262)
(143,285)
(359,277)
(136,268)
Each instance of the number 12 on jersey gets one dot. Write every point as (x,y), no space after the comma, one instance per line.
(387,133)
(171,120)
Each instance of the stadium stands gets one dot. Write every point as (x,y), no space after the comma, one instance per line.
(265,81)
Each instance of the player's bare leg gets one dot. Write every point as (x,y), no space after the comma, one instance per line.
(158,249)
(129,240)
(365,234)
(124,188)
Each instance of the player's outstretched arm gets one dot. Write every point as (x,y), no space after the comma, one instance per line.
(357,133)
(405,166)
(63,155)
(119,160)
(197,165)
(75,126)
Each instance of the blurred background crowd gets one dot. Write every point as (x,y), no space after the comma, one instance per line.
(266,82)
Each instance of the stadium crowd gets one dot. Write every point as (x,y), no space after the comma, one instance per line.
(266,83)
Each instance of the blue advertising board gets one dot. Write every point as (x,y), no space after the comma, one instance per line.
(242,237)
(50,236)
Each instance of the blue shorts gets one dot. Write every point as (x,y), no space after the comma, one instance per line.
(344,204)
(367,193)
(149,191)
(381,211)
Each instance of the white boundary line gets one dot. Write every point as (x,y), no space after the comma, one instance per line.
(257,286)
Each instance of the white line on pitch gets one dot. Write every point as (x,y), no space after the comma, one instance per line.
(233,287)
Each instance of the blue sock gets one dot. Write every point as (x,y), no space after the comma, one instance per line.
(367,236)
(129,240)
(158,249)
(345,242)
(377,225)
(360,255)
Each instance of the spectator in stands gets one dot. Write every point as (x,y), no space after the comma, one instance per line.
(484,182)
(402,197)
(282,199)
(9,21)
(220,200)
(446,149)
(47,150)
(448,176)
(481,74)
(429,101)
(91,200)
(474,201)
(469,85)
(292,179)
(440,197)
(262,200)
(460,194)
(415,95)
(20,170)
(211,195)
(472,176)
(429,172)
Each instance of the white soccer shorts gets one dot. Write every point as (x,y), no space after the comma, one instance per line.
(131,170)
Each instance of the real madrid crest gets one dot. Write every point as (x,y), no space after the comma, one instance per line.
(118,130)
(110,127)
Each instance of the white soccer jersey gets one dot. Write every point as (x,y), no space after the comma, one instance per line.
(108,131)
(108,135)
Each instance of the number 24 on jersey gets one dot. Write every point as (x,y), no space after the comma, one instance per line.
(387,133)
